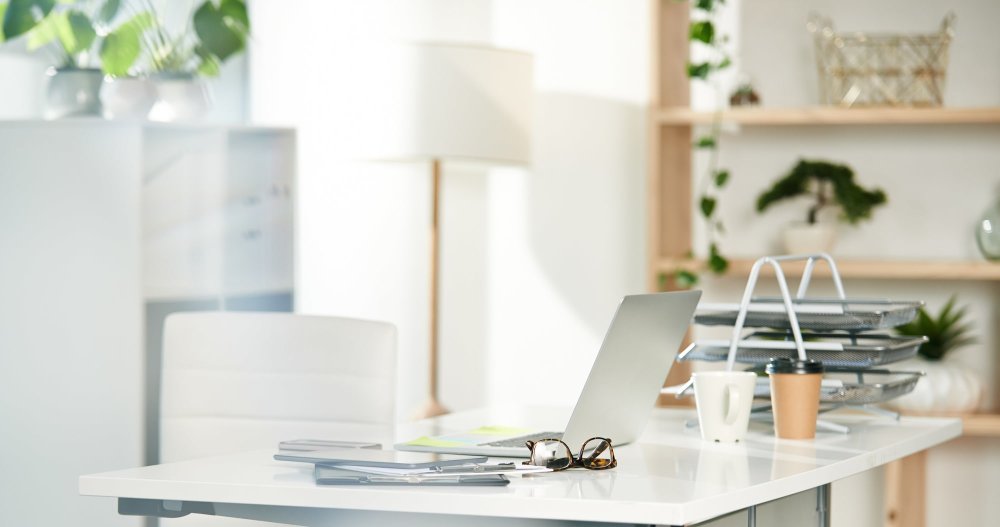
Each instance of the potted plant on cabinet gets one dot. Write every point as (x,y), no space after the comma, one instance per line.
(178,62)
(828,185)
(947,386)
(75,34)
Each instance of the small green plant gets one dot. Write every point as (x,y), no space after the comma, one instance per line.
(216,31)
(82,30)
(702,33)
(945,332)
(829,185)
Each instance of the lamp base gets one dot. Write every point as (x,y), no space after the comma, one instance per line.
(431,408)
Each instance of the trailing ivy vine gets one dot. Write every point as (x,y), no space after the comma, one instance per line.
(703,33)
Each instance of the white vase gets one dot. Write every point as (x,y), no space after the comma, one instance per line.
(73,93)
(804,238)
(180,97)
(947,387)
(127,98)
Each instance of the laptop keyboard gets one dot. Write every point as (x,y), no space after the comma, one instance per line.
(520,440)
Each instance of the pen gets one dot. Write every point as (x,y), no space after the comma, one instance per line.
(500,467)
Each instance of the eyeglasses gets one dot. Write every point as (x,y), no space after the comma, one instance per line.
(556,455)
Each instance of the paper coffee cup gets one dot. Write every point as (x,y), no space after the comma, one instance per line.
(795,396)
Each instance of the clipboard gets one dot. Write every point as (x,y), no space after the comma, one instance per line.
(362,457)
(327,475)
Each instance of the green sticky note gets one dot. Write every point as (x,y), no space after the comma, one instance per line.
(500,431)
(430,441)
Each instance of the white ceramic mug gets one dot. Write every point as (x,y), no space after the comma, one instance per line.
(724,400)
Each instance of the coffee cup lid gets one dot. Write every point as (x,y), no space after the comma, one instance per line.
(787,365)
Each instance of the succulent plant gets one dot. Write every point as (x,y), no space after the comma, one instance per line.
(945,332)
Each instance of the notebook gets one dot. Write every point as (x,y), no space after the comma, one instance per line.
(638,350)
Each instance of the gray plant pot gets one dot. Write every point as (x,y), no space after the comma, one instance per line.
(73,93)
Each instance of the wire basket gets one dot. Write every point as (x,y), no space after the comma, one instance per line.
(860,69)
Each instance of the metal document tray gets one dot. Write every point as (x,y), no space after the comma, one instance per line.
(834,350)
(859,387)
(816,314)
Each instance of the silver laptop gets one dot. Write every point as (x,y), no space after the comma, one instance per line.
(624,382)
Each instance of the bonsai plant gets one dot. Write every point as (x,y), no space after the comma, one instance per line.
(828,185)
(947,386)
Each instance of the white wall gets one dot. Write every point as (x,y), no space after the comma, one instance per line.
(533,260)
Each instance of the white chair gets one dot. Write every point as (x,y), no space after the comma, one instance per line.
(242,381)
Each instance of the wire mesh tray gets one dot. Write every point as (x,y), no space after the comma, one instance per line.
(858,387)
(834,350)
(814,314)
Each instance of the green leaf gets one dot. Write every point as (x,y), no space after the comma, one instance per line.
(209,66)
(122,47)
(721,177)
(699,71)
(705,5)
(685,279)
(707,206)
(703,31)
(716,262)
(726,62)
(3,10)
(77,34)
(109,11)
(222,30)
(235,13)
(46,31)
(23,15)
(705,142)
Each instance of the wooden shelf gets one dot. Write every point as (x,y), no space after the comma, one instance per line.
(981,425)
(832,116)
(861,269)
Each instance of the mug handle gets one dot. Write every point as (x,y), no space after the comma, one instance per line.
(734,404)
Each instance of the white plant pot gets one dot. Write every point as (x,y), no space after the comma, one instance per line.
(947,387)
(180,98)
(127,98)
(807,239)
(73,93)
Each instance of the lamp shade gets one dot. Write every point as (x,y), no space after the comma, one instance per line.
(447,101)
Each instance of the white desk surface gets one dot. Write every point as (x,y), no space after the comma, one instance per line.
(670,476)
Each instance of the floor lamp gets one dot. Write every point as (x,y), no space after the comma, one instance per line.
(457,102)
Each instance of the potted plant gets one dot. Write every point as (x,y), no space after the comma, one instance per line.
(75,34)
(216,31)
(947,386)
(828,185)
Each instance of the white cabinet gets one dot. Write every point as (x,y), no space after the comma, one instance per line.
(70,317)
(105,228)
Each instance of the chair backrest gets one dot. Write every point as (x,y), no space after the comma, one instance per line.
(242,381)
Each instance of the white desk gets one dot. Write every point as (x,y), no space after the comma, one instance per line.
(669,477)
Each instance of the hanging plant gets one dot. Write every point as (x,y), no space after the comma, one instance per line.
(703,33)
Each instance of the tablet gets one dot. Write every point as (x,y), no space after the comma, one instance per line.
(361,457)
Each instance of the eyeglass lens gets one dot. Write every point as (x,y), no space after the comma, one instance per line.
(550,453)
(596,453)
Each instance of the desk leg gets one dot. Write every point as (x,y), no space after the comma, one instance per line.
(823,505)
(752,516)
(906,491)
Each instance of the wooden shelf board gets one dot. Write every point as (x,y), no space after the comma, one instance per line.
(981,425)
(861,269)
(832,116)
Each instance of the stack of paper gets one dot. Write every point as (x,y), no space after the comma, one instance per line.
(356,466)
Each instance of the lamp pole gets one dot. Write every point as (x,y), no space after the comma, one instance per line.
(433,407)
